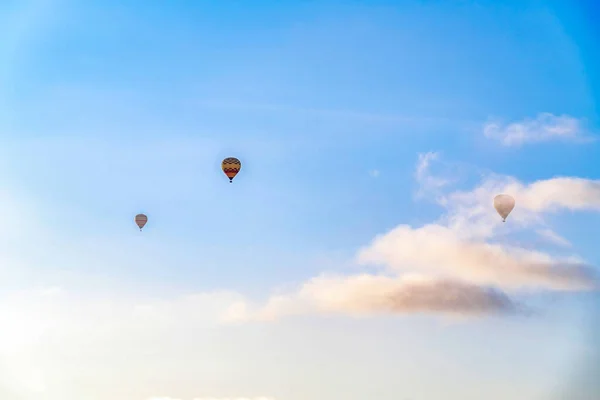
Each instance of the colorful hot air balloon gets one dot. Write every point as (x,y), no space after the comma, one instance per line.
(504,204)
(231,166)
(140,220)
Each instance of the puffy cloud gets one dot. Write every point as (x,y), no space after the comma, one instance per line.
(438,249)
(544,127)
(363,295)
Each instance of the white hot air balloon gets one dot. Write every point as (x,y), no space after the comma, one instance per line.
(504,204)
(140,220)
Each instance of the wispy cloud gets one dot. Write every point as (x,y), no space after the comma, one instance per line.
(553,237)
(544,127)
(428,183)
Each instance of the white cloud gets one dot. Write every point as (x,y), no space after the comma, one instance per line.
(544,127)
(440,250)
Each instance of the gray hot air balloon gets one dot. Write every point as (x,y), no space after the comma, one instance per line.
(504,204)
(140,220)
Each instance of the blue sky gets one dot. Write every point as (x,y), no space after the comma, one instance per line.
(110,109)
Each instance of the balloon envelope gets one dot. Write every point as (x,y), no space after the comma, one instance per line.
(140,220)
(231,166)
(504,204)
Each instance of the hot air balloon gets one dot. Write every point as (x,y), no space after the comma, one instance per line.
(504,204)
(140,220)
(231,166)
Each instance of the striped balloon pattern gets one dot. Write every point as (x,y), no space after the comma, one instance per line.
(231,166)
